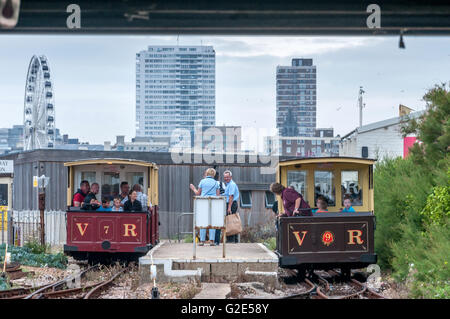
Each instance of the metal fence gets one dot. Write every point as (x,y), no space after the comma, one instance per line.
(20,227)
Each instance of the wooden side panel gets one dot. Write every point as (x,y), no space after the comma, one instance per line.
(327,239)
(123,232)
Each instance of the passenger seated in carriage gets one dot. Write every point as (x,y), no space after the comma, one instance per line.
(90,201)
(347,205)
(322,205)
(117,206)
(105,206)
(132,205)
(80,195)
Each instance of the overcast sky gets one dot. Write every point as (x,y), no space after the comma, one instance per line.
(94,78)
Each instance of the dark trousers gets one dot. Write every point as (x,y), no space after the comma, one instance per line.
(233,238)
(217,237)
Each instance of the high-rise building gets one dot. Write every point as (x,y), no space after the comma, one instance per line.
(175,88)
(296,98)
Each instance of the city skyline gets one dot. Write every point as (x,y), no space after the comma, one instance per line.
(94,78)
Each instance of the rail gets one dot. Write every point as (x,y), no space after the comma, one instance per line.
(328,288)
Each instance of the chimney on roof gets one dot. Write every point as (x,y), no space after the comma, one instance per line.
(120,140)
(404,110)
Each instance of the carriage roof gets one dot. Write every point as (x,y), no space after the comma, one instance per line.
(111,161)
(321,160)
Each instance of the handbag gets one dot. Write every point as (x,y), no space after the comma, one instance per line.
(234,224)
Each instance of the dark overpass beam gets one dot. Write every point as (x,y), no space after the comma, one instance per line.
(262,17)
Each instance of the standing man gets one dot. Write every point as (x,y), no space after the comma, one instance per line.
(81,193)
(232,196)
(124,191)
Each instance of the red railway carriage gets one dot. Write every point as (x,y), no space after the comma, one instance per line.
(115,233)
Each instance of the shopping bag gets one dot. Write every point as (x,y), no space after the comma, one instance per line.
(234,225)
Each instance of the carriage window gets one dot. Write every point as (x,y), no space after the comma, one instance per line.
(110,185)
(324,185)
(136,178)
(88,176)
(350,187)
(297,179)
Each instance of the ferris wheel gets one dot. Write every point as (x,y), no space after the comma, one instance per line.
(39,107)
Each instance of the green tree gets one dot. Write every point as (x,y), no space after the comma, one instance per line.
(433,132)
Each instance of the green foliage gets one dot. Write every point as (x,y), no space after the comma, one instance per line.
(433,130)
(36,248)
(188,238)
(437,209)
(412,204)
(271,243)
(258,233)
(422,258)
(25,256)
(400,193)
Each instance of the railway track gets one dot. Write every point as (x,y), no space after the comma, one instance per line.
(331,285)
(301,288)
(336,286)
(60,289)
(90,291)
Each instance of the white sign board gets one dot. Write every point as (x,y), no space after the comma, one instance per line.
(6,166)
(209,211)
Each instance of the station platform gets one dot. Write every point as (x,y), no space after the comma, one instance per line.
(243,262)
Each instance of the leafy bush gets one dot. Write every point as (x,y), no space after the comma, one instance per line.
(25,256)
(271,243)
(258,233)
(36,247)
(412,204)
(400,193)
(437,209)
(422,258)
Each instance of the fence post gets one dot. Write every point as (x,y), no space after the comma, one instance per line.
(10,228)
(42,208)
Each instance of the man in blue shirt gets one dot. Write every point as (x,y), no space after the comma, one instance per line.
(232,196)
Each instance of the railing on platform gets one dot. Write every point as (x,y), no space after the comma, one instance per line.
(20,227)
(178,225)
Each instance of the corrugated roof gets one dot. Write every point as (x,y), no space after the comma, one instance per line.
(384,123)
